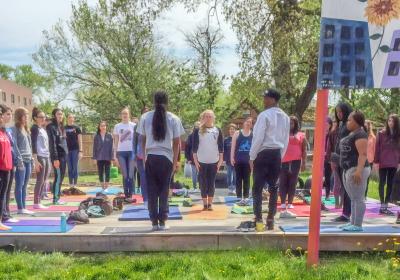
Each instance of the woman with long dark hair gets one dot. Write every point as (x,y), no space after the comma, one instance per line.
(23,151)
(387,157)
(6,165)
(124,152)
(239,158)
(342,113)
(208,148)
(293,161)
(58,152)
(103,153)
(161,132)
(356,170)
(41,155)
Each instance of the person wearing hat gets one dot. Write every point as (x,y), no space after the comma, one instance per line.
(270,142)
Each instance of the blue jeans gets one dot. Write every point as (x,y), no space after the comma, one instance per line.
(22,175)
(230,177)
(195,176)
(72,161)
(126,164)
(142,174)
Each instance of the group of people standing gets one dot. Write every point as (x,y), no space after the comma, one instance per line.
(352,150)
(45,145)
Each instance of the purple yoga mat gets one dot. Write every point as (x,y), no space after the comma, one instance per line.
(35,223)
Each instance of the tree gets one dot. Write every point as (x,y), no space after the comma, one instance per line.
(6,72)
(205,41)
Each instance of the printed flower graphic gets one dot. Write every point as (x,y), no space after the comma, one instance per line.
(381,12)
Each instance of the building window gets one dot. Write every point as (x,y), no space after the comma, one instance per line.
(359,48)
(4,97)
(12,98)
(25,101)
(345,49)
(394,68)
(359,32)
(396,46)
(19,99)
(329,31)
(327,68)
(345,33)
(360,65)
(30,101)
(328,50)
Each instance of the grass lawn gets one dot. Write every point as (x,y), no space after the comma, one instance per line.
(240,264)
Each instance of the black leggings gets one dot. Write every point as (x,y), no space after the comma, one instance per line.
(207,174)
(327,176)
(242,179)
(386,176)
(158,176)
(267,167)
(4,179)
(103,168)
(288,179)
(59,174)
(6,205)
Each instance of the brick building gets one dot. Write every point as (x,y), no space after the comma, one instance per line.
(14,95)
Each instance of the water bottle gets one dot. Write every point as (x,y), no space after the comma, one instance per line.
(63,222)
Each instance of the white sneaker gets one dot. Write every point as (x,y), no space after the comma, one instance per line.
(283,205)
(12,221)
(290,206)
(163,228)
(155,228)
(39,206)
(25,211)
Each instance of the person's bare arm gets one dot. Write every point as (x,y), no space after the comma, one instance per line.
(304,155)
(361,145)
(233,147)
(175,147)
(116,141)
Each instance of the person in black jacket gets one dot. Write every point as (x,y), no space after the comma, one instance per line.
(189,156)
(342,113)
(58,151)
(103,153)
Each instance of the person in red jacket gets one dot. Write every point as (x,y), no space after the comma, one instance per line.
(6,165)
(387,157)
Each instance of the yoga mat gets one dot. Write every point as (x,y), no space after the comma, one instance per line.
(330,202)
(36,222)
(220,212)
(296,201)
(52,208)
(138,213)
(110,190)
(36,229)
(231,200)
(300,210)
(178,201)
(48,203)
(336,229)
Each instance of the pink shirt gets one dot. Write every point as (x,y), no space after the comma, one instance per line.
(295,147)
(371,148)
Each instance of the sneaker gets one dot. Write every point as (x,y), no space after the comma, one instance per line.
(60,202)
(25,211)
(39,206)
(290,206)
(353,228)
(398,218)
(247,202)
(45,197)
(287,215)
(341,219)
(283,205)
(246,226)
(4,227)
(209,207)
(154,228)
(242,202)
(205,207)
(232,192)
(385,211)
(270,224)
(163,226)
(11,221)
(345,225)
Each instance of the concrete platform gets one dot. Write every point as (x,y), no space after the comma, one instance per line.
(108,234)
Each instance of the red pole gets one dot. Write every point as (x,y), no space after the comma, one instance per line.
(317,175)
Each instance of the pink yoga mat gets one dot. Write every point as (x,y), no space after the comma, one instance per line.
(52,208)
(301,211)
(36,222)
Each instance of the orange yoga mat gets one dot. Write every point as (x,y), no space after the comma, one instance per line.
(220,212)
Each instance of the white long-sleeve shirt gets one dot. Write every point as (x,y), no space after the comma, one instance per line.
(271,131)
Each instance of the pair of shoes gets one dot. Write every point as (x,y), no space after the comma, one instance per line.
(59,202)
(385,211)
(129,200)
(39,206)
(323,207)
(353,228)
(341,219)
(344,226)
(287,215)
(244,202)
(4,227)
(25,211)
(290,206)
(154,227)
(247,226)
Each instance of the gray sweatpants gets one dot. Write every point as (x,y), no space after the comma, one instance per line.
(356,193)
(41,177)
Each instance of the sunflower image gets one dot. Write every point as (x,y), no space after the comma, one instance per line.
(381,12)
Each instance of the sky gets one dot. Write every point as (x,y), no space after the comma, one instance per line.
(22,23)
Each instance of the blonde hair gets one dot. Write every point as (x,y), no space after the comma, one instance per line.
(18,115)
(202,127)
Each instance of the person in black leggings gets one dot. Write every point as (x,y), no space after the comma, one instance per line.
(240,156)
(387,157)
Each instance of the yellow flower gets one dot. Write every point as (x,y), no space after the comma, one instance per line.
(381,12)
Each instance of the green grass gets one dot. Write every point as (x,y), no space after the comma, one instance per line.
(240,264)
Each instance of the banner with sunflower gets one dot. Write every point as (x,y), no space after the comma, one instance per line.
(359,44)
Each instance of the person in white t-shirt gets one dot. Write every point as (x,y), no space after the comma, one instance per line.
(124,152)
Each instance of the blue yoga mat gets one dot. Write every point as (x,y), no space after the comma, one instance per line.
(335,229)
(138,213)
(35,222)
(231,200)
(110,190)
(36,229)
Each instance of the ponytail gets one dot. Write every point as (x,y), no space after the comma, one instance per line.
(160,115)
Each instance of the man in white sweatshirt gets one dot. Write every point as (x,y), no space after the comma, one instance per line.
(270,141)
